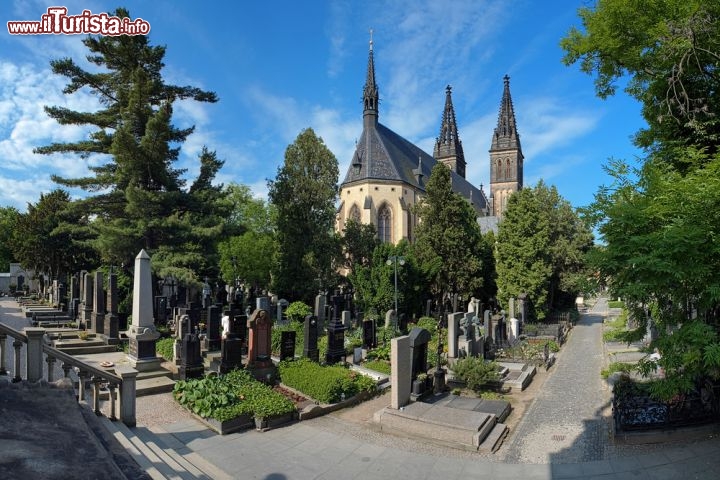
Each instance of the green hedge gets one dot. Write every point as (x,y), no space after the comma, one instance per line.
(326,384)
(229,396)
(164,348)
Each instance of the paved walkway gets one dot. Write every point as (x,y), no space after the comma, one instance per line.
(565,422)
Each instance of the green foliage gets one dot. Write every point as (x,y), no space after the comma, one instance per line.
(359,241)
(326,384)
(164,348)
(43,239)
(475,372)
(8,220)
(253,253)
(382,366)
(297,311)
(229,396)
(381,352)
(304,193)
(669,55)
(616,304)
(615,367)
(541,250)
(137,198)
(276,336)
(448,244)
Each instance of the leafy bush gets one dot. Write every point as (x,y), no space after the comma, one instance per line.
(326,384)
(229,396)
(276,336)
(380,353)
(475,372)
(616,304)
(429,324)
(164,348)
(297,311)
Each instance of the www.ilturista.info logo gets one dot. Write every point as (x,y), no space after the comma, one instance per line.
(57,21)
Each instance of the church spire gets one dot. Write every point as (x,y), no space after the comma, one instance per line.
(505,135)
(370,92)
(448,147)
(506,157)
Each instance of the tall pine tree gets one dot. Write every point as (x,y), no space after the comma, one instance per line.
(138,199)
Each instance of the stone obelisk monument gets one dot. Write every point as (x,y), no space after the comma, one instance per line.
(142,332)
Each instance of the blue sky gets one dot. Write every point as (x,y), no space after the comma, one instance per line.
(281,66)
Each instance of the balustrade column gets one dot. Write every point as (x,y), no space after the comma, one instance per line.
(51,368)
(66,369)
(3,346)
(113,391)
(96,393)
(17,345)
(34,353)
(82,375)
(127,394)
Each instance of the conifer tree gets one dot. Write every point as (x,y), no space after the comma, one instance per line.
(304,193)
(138,199)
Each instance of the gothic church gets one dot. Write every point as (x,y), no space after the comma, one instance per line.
(388,173)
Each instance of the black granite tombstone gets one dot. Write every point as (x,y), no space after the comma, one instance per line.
(402,322)
(310,347)
(212,341)
(287,345)
(336,334)
(369,334)
(191,365)
(231,353)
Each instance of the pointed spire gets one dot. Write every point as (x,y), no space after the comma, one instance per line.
(505,135)
(370,91)
(448,147)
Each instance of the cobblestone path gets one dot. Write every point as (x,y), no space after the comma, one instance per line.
(564,424)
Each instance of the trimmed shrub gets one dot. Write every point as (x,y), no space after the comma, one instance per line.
(164,348)
(475,372)
(326,384)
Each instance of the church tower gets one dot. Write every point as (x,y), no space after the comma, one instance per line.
(448,147)
(506,158)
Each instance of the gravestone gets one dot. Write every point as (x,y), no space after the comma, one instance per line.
(402,322)
(320,304)
(346,318)
(212,340)
(400,372)
(98,304)
(142,332)
(191,365)
(112,320)
(230,353)
(487,321)
(390,318)
(262,303)
(428,308)
(287,345)
(310,347)
(87,308)
(514,329)
(369,334)
(182,328)
(161,308)
(336,334)
(453,333)
(74,291)
(62,297)
(259,343)
(239,328)
(522,307)
(512,307)
(282,305)
(419,338)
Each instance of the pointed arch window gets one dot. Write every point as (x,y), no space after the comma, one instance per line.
(354,213)
(498,170)
(508,171)
(385,224)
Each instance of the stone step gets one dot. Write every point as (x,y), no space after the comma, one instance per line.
(161,455)
(494,439)
(136,449)
(186,456)
(151,386)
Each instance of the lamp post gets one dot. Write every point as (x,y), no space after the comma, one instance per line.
(395,259)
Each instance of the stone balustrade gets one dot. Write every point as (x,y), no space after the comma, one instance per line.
(121,384)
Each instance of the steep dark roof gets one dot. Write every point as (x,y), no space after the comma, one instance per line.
(382,154)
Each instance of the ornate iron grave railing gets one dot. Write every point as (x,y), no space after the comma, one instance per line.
(634,409)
